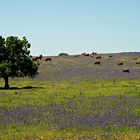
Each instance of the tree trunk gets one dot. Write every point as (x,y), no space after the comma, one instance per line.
(6,83)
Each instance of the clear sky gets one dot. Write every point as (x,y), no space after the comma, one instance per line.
(73,26)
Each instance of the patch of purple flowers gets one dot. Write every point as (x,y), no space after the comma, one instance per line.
(104,111)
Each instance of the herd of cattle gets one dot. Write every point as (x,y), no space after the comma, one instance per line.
(93,54)
(119,63)
(40,57)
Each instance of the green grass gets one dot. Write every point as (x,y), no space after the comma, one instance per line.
(57,91)
(79,93)
(37,133)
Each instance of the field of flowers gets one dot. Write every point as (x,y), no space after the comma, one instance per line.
(73,106)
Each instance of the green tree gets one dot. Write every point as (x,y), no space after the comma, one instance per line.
(15,59)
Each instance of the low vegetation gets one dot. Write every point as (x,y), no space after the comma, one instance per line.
(98,109)
(63,54)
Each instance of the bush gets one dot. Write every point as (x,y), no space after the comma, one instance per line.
(63,54)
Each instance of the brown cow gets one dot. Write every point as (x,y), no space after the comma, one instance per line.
(126,70)
(110,55)
(137,62)
(120,63)
(87,54)
(48,59)
(40,57)
(97,63)
(35,59)
(98,57)
(83,53)
(93,53)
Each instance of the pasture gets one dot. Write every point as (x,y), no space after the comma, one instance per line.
(74,99)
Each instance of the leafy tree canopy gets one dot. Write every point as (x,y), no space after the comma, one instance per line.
(15,59)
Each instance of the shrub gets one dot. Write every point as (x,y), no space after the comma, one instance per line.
(63,54)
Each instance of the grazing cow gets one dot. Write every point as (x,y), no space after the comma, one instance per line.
(35,59)
(40,57)
(97,63)
(93,53)
(87,54)
(126,70)
(83,53)
(110,55)
(48,59)
(120,63)
(98,57)
(137,62)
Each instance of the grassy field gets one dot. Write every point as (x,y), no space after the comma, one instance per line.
(73,99)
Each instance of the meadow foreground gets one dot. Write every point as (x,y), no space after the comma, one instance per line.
(72,98)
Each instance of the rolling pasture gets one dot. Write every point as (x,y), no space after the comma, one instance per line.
(74,99)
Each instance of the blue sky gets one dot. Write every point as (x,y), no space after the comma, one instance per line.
(73,26)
